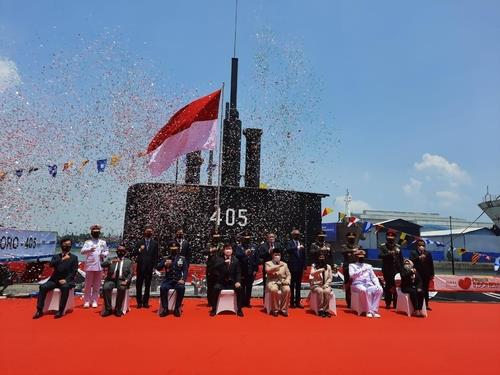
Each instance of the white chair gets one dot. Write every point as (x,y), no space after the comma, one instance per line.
(54,296)
(227,301)
(403,303)
(267,301)
(313,303)
(356,304)
(126,301)
(172,297)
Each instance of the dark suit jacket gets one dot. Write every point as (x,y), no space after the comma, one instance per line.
(264,254)
(64,269)
(225,274)
(248,263)
(126,270)
(185,249)
(391,263)
(407,283)
(148,258)
(296,258)
(424,267)
(177,271)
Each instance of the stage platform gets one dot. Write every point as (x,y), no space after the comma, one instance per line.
(456,338)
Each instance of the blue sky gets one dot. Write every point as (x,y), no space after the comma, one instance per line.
(398,102)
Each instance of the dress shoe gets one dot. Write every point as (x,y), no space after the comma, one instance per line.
(38,314)
(369,315)
(86,305)
(428,308)
(213,312)
(299,306)
(376,315)
(284,313)
(292,305)
(139,305)
(58,315)
(321,314)
(146,306)
(327,314)
(105,313)
(163,313)
(94,304)
(177,313)
(240,312)
(274,313)
(118,314)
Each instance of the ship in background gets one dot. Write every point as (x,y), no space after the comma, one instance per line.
(491,207)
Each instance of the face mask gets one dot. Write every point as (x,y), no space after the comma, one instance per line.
(180,235)
(421,248)
(95,234)
(390,240)
(296,237)
(120,254)
(228,253)
(148,234)
(361,260)
(65,248)
(351,241)
(276,258)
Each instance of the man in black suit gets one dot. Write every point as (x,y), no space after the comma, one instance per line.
(184,246)
(176,273)
(146,255)
(296,264)
(392,262)
(228,271)
(246,252)
(348,253)
(65,267)
(265,255)
(213,251)
(423,263)
(119,276)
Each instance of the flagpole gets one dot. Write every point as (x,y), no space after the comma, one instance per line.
(217,197)
(451,245)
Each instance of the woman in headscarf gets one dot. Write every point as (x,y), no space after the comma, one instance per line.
(411,283)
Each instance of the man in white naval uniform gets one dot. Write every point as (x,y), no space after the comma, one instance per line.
(365,282)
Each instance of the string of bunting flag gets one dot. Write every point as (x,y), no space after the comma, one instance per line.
(53,169)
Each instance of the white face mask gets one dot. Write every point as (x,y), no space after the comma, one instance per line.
(421,248)
(276,258)
(228,253)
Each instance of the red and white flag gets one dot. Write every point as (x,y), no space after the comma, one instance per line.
(352,220)
(192,128)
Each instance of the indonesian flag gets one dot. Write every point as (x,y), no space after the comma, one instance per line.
(192,128)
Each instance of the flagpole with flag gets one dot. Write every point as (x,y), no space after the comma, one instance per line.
(219,179)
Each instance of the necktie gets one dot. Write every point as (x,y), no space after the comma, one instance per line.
(147,245)
(116,269)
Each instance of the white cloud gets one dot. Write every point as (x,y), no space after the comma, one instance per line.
(355,205)
(448,195)
(8,74)
(443,168)
(413,187)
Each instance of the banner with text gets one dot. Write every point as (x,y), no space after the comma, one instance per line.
(450,283)
(26,244)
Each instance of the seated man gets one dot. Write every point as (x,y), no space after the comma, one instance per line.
(320,279)
(365,282)
(278,283)
(119,276)
(228,272)
(176,272)
(63,277)
(411,283)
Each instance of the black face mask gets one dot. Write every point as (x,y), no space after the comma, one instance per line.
(121,254)
(361,260)
(65,249)
(95,234)
(351,241)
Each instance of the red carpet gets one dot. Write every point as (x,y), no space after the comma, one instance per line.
(455,339)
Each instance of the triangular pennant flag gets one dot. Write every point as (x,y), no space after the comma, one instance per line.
(475,258)
(67,166)
(341,216)
(32,169)
(367,226)
(402,236)
(101,165)
(2,175)
(352,220)
(83,165)
(115,159)
(263,186)
(19,172)
(461,251)
(52,170)
(327,211)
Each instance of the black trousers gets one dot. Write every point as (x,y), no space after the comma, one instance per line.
(296,283)
(143,278)
(211,280)
(47,287)
(416,297)
(238,291)
(390,295)
(107,292)
(425,288)
(165,287)
(247,284)
(347,290)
